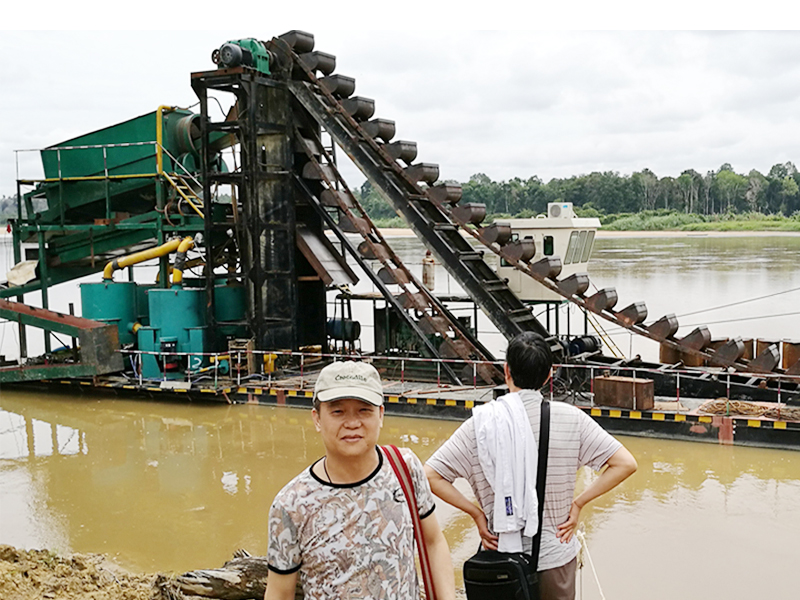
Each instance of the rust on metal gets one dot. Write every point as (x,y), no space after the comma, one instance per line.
(624,392)
(698,339)
(470,213)
(634,314)
(423,172)
(496,233)
(300,41)
(445,192)
(383,129)
(665,327)
(546,268)
(519,250)
(574,285)
(605,299)
(727,353)
(340,86)
(766,361)
(319,61)
(359,108)
(402,150)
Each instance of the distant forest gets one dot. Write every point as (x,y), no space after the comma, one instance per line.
(8,207)
(717,194)
(597,194)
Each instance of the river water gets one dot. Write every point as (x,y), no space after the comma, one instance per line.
(173,486)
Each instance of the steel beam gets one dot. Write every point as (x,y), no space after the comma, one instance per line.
(421,215)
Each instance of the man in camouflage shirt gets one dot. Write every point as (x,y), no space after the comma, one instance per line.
(344,525)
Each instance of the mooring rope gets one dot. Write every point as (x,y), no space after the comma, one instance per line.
(585,551)
(728,408)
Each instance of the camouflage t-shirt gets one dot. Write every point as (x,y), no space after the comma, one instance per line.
(352,540)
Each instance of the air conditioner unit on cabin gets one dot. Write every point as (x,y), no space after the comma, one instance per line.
(560,210)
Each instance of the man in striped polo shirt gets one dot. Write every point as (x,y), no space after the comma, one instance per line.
(575,440)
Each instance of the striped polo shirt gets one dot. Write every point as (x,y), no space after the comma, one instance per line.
(575,441)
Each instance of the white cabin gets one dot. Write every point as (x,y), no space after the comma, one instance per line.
(559,233)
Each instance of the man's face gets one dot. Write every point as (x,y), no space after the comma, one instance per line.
(348,427)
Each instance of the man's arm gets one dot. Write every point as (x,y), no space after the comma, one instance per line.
(447,492)
(280,586)
(439,554)
(619,467)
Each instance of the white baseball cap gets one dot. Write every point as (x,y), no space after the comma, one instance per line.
(349,379)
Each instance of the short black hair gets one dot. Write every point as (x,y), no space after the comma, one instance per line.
(529,359)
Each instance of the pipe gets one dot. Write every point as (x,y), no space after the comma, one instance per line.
(186,244)
(160,136)
(136,258)
(189,264)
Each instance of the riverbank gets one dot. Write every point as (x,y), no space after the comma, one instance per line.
(601,233)
(43,574)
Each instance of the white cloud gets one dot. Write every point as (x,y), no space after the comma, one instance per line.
(508,104)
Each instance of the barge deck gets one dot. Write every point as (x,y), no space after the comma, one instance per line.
(668,419)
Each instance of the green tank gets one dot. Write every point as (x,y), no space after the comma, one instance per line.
(230,306)
(177,325)
(111,302)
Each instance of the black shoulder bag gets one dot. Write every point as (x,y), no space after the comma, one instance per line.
(493,575)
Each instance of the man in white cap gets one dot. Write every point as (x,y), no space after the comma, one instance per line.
(344,524)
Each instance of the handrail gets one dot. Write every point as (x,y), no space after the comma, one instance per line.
(185,170)
(174,184)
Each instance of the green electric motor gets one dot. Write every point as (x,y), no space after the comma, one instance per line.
(248,52)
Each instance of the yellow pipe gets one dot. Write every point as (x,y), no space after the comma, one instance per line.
(186,244)
(160,137)
(136,258)
(189,264)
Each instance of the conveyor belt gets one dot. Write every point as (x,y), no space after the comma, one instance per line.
(433,214)
(430,316)
(401,186)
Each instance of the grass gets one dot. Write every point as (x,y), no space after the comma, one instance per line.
(674,221)
(664,220)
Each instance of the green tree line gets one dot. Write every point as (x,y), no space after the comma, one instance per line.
(717,192)
(8,208)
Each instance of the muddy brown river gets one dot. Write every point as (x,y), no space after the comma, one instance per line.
(173,487)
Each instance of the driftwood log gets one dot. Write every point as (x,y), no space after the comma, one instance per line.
(242,578)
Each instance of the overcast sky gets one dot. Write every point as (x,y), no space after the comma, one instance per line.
(507,104)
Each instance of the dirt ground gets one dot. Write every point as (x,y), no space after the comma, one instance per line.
(44,575)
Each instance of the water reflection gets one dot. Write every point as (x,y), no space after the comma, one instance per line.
(679,275)
(162,486)
(691,274)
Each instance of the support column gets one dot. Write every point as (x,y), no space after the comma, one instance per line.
(44,277)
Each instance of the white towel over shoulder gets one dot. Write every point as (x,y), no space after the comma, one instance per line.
(508,455)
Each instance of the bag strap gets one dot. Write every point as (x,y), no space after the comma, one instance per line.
(541,479)
(400,469)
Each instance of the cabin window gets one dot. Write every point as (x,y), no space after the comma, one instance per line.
(587,249)
(573,242)
(579,247)
(549,245)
